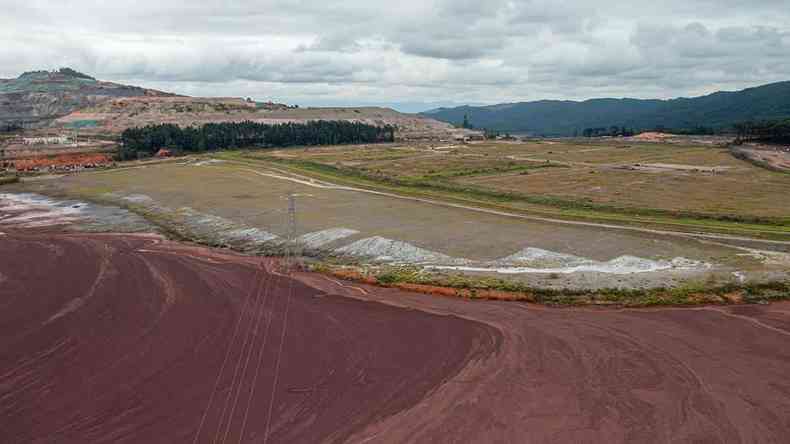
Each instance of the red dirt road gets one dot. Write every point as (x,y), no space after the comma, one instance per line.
(124,339)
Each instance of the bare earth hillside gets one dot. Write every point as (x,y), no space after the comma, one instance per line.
(35,98)
(116,115)
(68,100)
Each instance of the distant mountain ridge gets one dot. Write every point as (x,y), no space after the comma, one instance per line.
(36,98)
(717,111)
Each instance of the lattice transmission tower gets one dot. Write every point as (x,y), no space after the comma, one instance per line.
(291,246)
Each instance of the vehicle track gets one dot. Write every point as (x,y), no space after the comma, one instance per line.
(139,359)
(714,374)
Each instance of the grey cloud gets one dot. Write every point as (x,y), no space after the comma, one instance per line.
(411,51)
(336,42)
(455,47)
(696,45)
(560,16)
(466,11)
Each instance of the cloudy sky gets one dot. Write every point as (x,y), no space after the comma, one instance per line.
(413,54)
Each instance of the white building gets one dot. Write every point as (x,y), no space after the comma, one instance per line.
(50,140)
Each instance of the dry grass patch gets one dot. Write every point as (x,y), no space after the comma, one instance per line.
(611,173)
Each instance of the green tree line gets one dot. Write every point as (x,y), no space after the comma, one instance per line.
(226,135)
(768,131)
(612,131)
(9,127)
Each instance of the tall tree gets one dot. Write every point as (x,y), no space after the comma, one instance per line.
(212,136)
(466,123)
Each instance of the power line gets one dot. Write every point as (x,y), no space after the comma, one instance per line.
(234,378)
(252,312)
(227,355)
(279,359)
(291,234)
(291,227)
(254,331)
(289,271)
(261,351)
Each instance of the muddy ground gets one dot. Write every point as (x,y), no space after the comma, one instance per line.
(121,338)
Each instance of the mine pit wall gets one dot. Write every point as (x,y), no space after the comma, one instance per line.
(16,152)
(30,158)
(59,163)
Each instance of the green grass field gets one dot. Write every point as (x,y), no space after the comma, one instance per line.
(672,186)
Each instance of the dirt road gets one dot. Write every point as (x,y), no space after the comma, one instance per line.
(107,338)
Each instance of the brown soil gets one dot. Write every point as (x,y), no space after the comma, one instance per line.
(122,339)
(777,157)
(651,137)
(65,161)
(706,374)
(15,150)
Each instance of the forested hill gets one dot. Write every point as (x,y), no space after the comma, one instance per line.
(565,118)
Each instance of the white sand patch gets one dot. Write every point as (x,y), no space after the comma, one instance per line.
(215,228)
(320,238)
(15,207)
(252,234)
(40,216)
(214,221)
(50,222)
(767,257)
(529,260)
(29,210)
(223,229)
(536,260)
(38,211)
(208,162)
(387,250)
(628,265)
(138,198)
(541,258)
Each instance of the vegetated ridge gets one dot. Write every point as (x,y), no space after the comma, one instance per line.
(714,112)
